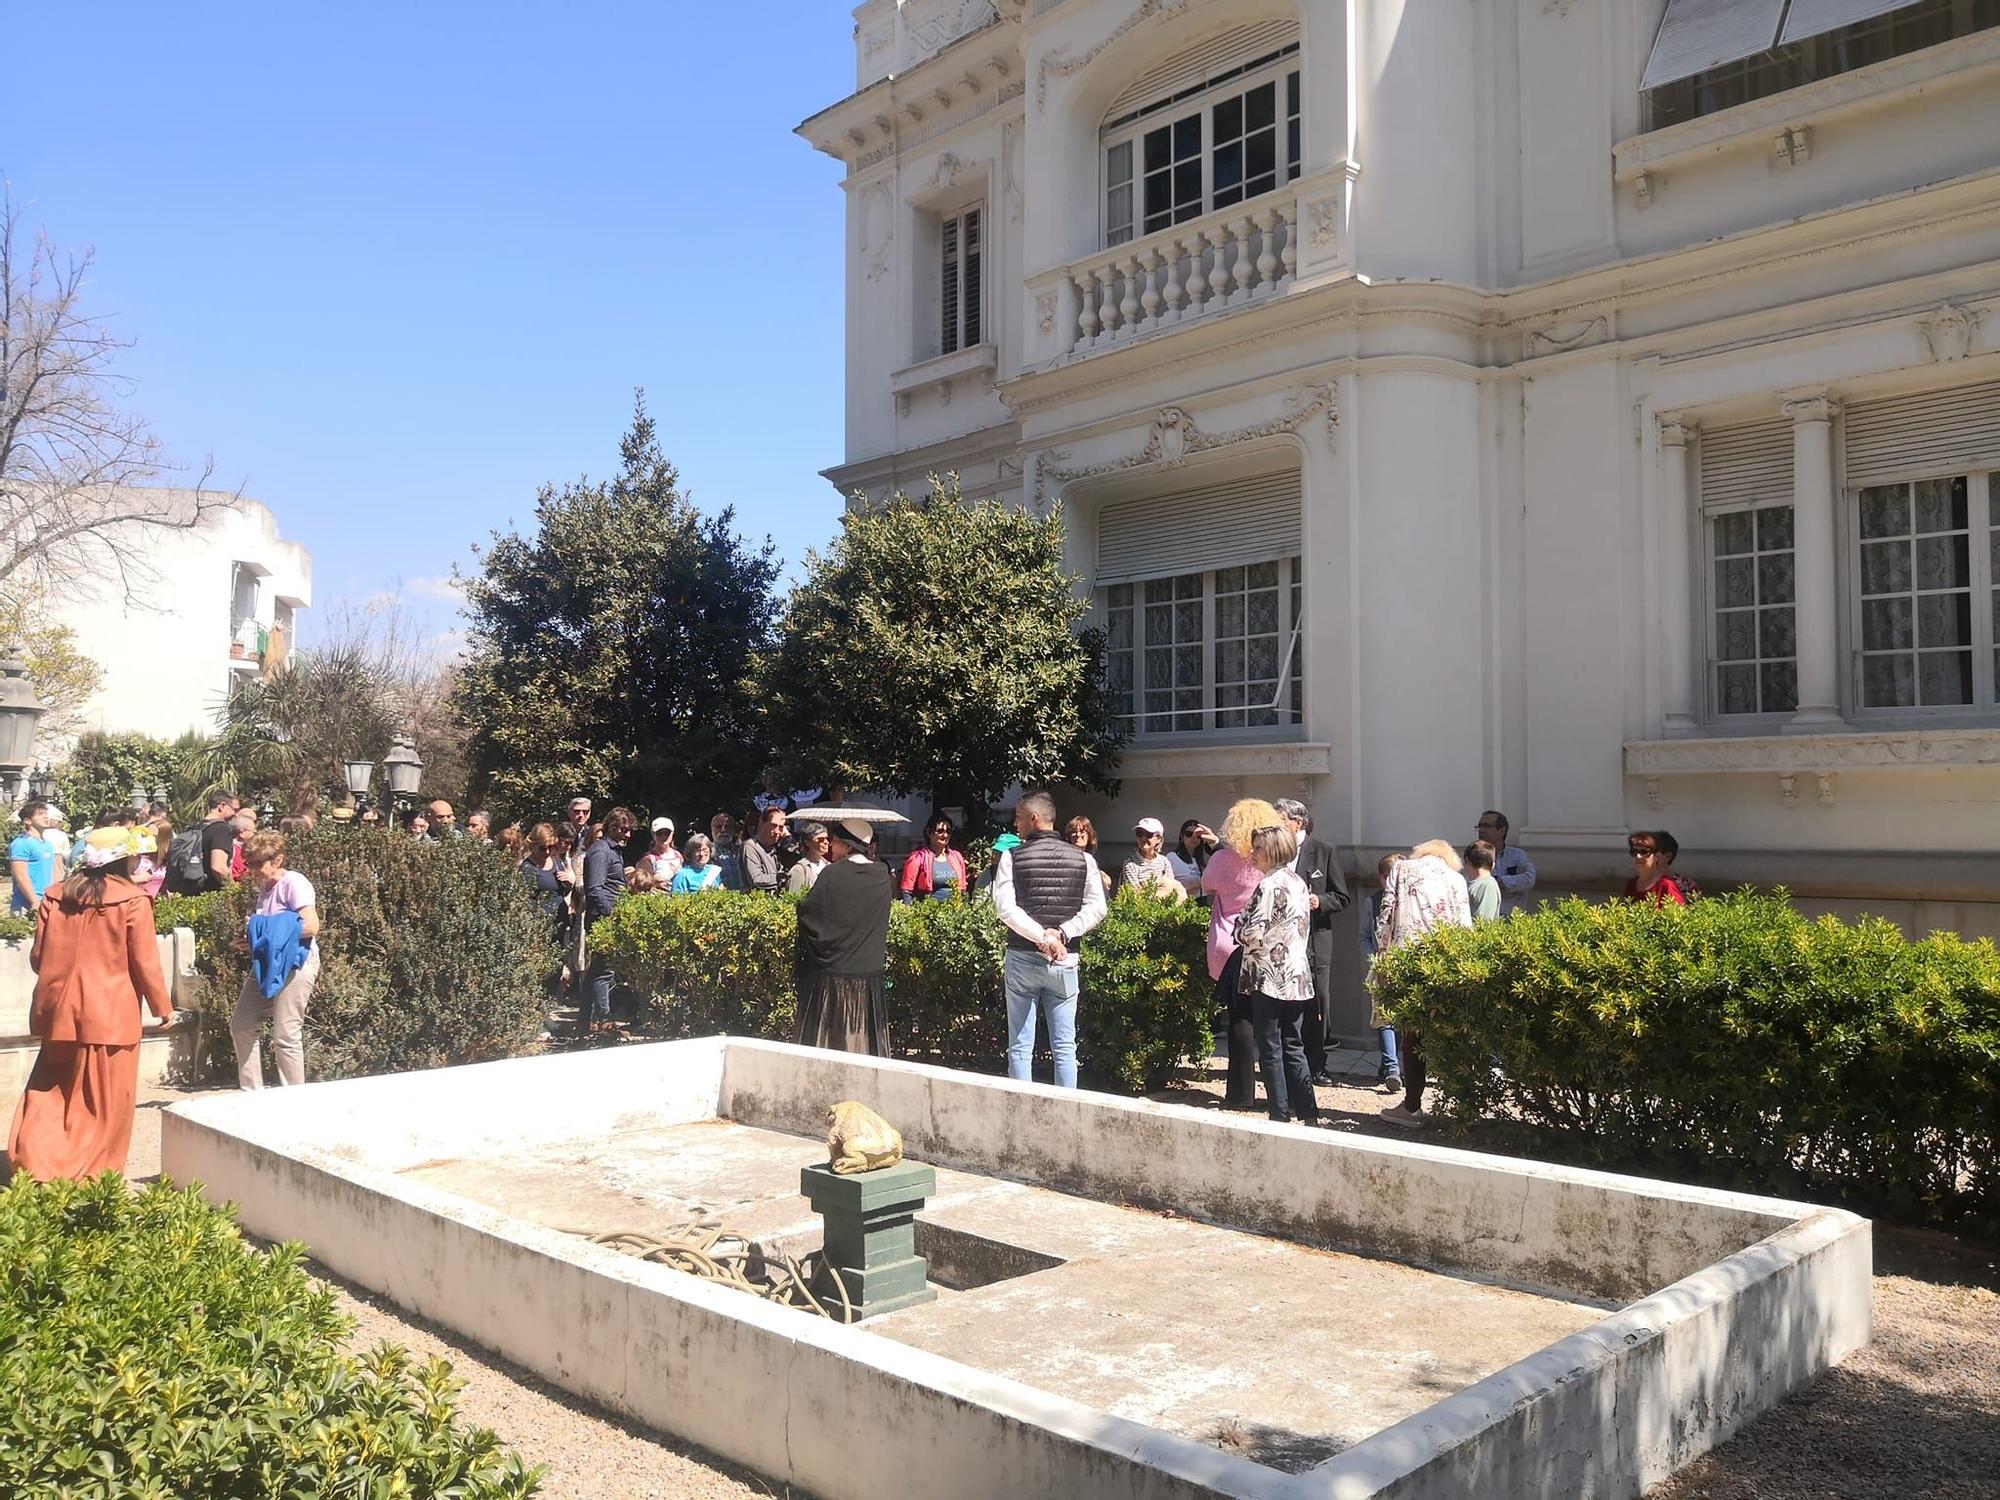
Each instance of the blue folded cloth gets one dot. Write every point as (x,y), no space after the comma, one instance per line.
(278,949)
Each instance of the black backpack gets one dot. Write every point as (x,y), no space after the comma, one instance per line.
(185,871)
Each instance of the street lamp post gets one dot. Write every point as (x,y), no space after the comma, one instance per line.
(403,768)
(20,712)
(358,773)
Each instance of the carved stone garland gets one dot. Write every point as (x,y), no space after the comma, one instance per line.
(1175,438)
(1058,62)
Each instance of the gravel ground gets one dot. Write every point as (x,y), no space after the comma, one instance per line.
(1915,1414)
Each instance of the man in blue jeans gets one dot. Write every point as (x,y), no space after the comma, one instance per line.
(1049,894)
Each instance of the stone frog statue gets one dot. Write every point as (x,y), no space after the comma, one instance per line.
(859,1140)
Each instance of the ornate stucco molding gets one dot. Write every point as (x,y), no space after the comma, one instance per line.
(1174,438)
(1815,754)
(1948,331)
(1058,61)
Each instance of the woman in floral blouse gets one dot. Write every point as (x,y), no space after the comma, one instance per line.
(1277,973)
(1423,893)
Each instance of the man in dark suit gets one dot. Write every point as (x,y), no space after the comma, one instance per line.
(1318,865)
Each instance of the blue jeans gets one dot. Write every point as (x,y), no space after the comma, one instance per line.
(1033,983)
(1392,1066)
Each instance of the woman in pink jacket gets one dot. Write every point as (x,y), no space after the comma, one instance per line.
(1228,881)
(935,870)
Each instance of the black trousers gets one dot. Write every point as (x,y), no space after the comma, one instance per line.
(1415,1073)
(1314,1025)
(1287,1087)
(1242,1085)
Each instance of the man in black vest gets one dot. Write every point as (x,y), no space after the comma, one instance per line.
(1318,865)
(1049,894)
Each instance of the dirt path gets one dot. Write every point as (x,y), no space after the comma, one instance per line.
(1915,1414)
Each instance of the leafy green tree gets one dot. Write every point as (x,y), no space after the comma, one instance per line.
(103,769)
(607,647)
(935,648)
(285,735)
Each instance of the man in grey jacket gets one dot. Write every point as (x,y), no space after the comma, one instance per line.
(1049,894)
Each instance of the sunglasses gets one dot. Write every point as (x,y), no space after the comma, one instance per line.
(1641,851)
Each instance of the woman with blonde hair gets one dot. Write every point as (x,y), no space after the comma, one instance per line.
(1228,881)
(1421,894)
(95,958)
(1273,937)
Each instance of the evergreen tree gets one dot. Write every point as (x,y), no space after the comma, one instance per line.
(935,649)
(607,648)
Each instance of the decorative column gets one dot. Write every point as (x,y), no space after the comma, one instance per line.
(1678,505)
(1813,510)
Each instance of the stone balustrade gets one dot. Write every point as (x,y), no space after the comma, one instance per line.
(1230,258)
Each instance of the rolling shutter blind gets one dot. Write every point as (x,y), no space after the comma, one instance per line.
(1810,18)
(1746,465)
(1925,435)
(1221,525)
(1696,35)
(1194,67)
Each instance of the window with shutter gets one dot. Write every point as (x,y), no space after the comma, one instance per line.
(961,252)
(1204,624)
(1709,55)
(1215,126)
(1747,518)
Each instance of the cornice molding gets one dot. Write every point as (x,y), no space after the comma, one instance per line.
(1816,754)
(1145,762)
(1174,438)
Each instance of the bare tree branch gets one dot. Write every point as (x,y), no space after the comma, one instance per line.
(76,469)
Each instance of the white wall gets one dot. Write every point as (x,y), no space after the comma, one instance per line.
(166,651)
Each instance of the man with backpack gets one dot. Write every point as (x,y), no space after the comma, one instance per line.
(198,859)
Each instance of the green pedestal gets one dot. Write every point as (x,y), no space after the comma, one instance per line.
(870,1240)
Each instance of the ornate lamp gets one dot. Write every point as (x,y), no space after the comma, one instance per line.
(404,767)
(358,773)
(42,784)
(20,712)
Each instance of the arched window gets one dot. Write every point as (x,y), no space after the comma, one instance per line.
(1211,127)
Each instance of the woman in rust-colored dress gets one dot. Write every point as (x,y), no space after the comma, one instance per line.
(95,956)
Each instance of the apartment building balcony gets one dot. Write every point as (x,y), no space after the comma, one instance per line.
(1241,256)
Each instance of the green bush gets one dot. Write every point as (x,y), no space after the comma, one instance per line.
(171,911)
(16,927)
(1733,1038)
(723,962)
(147,1352)
(430,954)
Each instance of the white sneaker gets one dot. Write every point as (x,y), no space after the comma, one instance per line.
(1409,1119)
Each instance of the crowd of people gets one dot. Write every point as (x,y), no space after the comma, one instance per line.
(1272,888)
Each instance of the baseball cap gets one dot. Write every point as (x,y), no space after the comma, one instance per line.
(1150,825)
(663,825)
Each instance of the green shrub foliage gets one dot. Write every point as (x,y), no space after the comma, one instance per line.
(16,927)
(1734,1037)
(430,953)
(171,911)
(723,962)
(147,1352)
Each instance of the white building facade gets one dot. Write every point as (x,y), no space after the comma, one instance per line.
(218,601)
(1584,408)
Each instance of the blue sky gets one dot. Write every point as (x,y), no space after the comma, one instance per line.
(394,266)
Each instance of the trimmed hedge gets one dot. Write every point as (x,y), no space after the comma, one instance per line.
(147,1352)
(722,962)
(1732,1038)
(431,953)
(171,911)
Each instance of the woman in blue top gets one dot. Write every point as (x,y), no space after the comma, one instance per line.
(697,874)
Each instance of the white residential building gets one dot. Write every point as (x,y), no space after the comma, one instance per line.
(221,600)
(1585,408)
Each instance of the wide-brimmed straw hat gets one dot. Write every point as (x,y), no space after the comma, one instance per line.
(106,846)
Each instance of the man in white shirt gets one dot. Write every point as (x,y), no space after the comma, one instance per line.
(1049,894)
(1511,866)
